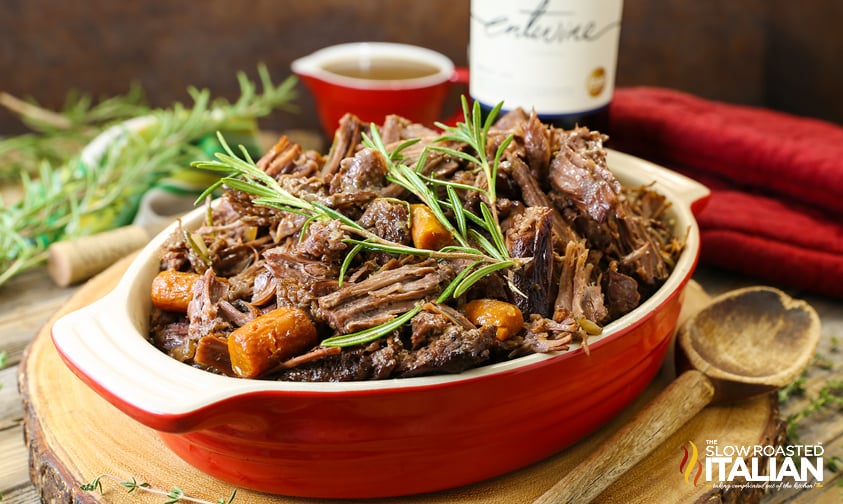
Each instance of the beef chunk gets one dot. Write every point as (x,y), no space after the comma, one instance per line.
(346,139)
(203,309)
(583,177)
(388,219)
(530,237)
(366,171)
(286,157)
(579,296)
(621,292)
(454,350)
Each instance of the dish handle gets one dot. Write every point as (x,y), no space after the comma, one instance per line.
(110,356)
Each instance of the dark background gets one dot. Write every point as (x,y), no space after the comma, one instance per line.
(775,53)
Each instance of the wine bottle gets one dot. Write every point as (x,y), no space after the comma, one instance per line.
(558,57)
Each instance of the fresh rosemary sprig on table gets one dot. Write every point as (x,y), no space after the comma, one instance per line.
(79,198)
(478,237)
(56,136)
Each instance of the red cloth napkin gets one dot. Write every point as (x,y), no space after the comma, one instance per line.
(776,208)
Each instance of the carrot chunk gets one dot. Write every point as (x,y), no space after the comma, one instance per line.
(172,290)
(492,312)
(264,342)
(426,230)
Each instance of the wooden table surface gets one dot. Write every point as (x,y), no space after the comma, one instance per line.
(29,300)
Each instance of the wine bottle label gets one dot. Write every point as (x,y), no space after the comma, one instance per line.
(557,56)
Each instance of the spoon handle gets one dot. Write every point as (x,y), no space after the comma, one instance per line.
(679,402)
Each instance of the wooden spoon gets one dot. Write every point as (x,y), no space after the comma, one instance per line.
(744,343)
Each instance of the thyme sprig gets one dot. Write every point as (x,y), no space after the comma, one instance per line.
(78,198)
(828,398)
(173,496)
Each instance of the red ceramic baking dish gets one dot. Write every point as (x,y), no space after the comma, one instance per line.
(379,438)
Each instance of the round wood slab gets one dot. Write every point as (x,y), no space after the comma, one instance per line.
(74,435)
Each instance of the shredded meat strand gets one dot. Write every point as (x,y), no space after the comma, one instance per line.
(587,251)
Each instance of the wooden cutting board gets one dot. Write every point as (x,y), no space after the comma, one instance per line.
(73,436)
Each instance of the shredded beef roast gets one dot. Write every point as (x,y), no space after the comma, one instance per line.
(584,249)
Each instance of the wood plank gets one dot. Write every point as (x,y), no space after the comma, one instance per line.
(28,301)
(11,412)
(12,472)
(21,494)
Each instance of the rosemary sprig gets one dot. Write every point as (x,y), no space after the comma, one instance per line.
(494,254)
(56,136)
(244,175)
(410,179)
(474,131)
(173,496)
(76,198)
(478,237)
